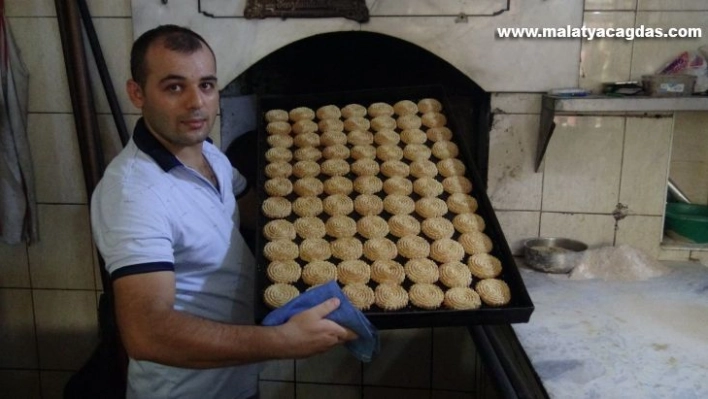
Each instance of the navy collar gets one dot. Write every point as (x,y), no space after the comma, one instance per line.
(148,144)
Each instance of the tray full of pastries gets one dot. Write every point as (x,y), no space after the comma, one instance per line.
(375,189)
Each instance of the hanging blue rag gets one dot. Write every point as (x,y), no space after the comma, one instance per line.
(346,315)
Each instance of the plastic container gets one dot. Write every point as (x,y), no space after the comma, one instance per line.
(677,85)
(688,220)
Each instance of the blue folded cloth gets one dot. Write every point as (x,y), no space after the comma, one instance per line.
(364,348)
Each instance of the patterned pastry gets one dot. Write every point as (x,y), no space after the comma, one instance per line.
(310,227)
(306,169)
(304,126)
(328,112)
(360,137)
(356,123)
(368,204)
(430,207)
(338,204)
(405,107)
(363,151)
(340,226)
(353,272)
(416,152)
(312,249)
(276,207)
(380,109)
(319,272)
(413,247)
(408,122)
(352,110)
(360,295)
(372,226)
(445,149)
(427,187)
(437,228)
(275,115)
(279,229)
(451,167)
(308,154)
(307,206)
(332,138)
(330,124)
(337,151)
(413,136)
(280,250)
(462,298)
(335,166)
(468,222)
(403,225)
(457,184)
(278,154)
(423,168)
(422,270)
(365,167)
(390,296)
(347,248)
(389,153)
(307,140)
(395,168)
(338,185)
(278,187)
(308,186)
(483,265)
(429,105)
(277,295)
(398,186)
(283,271)
(446,250)
(398,204)
(278,127)
(493,292)
(461,203)
(436,134)
(475,242)
(426,296)
(367,184)
(280,140)
(386,137)
(455,274)
(301,113)
(278,169)
(432,119)
(383,122)
(387,271)
(380,249)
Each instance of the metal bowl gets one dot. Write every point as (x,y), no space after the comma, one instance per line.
(553,255)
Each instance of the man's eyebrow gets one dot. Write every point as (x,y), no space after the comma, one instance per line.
(172,77)
(210,78)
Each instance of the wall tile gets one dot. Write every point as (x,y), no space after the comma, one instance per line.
(610,4)
(53,383)
(642,232)
(404,360)
(454,359)
(67,327)
(666,254)
(518,226)
(304,390)
(604,59)
(109,8)
(700,256)
(513,182)
(594,230)
(336,366)
(276,390)
(115,36)
(17,338)
(30,8)
(516,103)
(14,266)
(645,165)
(56,158)
(673,5)
(386,393)
(691,178)
(63,258)
(20,384)
(279,370)
(582,165)
(690,142)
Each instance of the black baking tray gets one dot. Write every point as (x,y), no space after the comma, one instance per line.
(520,307)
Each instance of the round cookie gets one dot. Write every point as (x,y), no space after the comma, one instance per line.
(276,207)
(278,187)
(422,270)
(405,107)
(306,169)
(389,153)
(395,168)
(301,113)
(446,250)
(347,248)
(278,154)
(360,295)
(304,126)
(330,125)
(457,184)
(363,151)
(427,187)
(333,137)
(387,271)
(433,119)
(365,167)
(397,185)
(429,105)
(279,229)
(408,122)
(390,296)
(307,206)
(308,186)
(403,225)
(493,292)
(335,167)
(383,122)
(462,298)
(436,134)
(312,249)
(278,127)
(280,140)
(340,226)
(283,271)
(437,228)
(461,203)
(398,204)
(413,247)
(337,151)
(368,204)
(278,169)
(274,115)
(367,184)
(451,167)
(319,272)
(310,139)
(310,227)
(423,168)
(484,265)
(329,111)
(280,250)
(416,152)
(277,295)
(353,272)
(430,207)
(352,110)
(426,296)
(386,137)
(338,185)
(445,150)
(380,109)
(356,123)
(468,222)
(307,154)
(413,136)
(380,249)
(338,204)
(475,242)
(360,137)
(455,274)
(372,226)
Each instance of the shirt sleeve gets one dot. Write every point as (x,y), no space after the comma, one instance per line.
(240,184)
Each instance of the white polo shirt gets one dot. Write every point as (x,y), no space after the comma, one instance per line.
(152,213)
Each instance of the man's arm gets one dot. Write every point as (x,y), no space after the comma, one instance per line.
(249,209)
(152,330)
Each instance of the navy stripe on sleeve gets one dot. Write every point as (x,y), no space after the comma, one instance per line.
(142,268)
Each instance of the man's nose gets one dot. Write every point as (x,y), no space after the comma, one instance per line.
(194,98)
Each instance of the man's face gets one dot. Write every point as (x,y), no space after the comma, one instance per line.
(180,99)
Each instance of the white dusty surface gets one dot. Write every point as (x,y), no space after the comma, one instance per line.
(600,339)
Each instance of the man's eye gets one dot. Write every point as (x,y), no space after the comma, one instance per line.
(174,88)
(207,85)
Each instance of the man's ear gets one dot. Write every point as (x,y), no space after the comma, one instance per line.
(135,93)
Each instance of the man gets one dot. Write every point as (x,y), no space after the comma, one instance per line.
(162,220)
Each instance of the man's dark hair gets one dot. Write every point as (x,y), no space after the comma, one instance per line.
(173,37)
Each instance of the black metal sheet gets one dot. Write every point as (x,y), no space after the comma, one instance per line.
(351,9)
(520,307)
